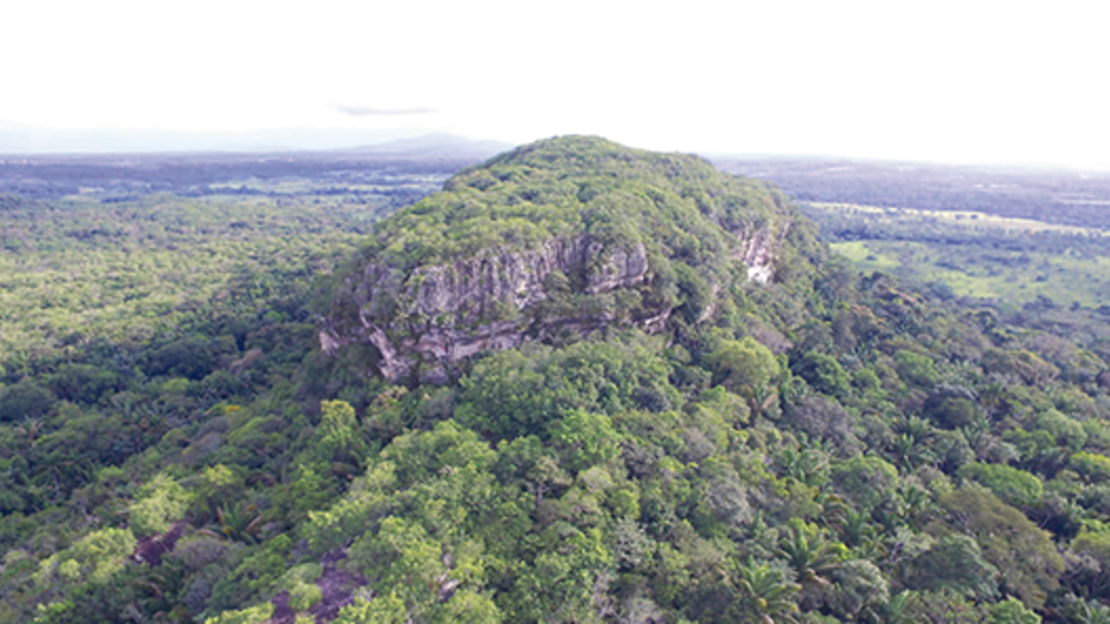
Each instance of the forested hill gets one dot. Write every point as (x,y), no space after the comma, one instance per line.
(810,446)
(560,237)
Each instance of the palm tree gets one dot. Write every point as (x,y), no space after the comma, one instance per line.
(902,448)
(760,397)
(809,559)
(31,427)
(1089,612)
(856,530)
(911,447)
(240,522)
(915,504)
(896,610)
(767,592)
(810,466)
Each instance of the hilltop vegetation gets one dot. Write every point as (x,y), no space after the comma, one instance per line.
(825,447)
(562,236)
(570,186)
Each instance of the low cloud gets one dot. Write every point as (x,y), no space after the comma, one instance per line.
(366,111)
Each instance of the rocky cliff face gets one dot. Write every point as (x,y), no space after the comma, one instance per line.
(423,317)
(757,250)
(446,313)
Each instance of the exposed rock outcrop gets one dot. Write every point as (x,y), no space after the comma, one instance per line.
(757,251)
(482,303)
(446,313)
(480,266)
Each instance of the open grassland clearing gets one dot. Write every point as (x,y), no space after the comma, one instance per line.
(973,254)
(1013,277)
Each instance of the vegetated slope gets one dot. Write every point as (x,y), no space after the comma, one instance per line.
(566,235)
(818,448)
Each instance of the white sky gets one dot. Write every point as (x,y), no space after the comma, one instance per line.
(1008,82)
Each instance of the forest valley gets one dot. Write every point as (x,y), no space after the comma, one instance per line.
(600,412)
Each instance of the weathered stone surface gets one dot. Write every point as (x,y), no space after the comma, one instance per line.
(446,313)
(454,304)
(620,237)
(757,250)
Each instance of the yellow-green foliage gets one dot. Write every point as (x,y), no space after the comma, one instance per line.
(369,496)
(588,438)
(743,363)
(163,501)
(1011,611)
(569,185)
(404,559)
(1013,486)
(93,559)
(300,582)
(1092,466)
(383,609)
(1094,541)
(916,368)
(253,615)
(468,606)
(219,476)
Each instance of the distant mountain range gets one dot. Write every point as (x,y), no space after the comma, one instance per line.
(18,138)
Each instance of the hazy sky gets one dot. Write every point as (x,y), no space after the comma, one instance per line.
(1013,82)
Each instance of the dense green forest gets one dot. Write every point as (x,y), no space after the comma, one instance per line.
(828,447)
